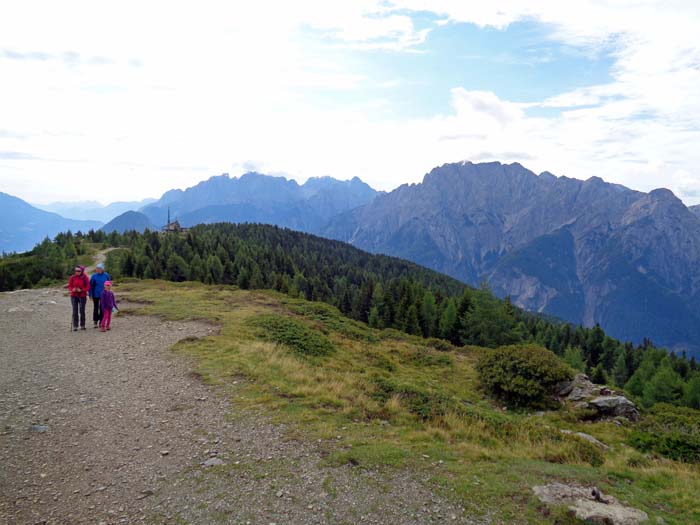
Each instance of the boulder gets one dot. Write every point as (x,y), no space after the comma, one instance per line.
(589,504)
(578,389)
(614,406)
(582,393)
(588,438)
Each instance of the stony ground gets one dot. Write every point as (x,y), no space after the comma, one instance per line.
(110,428)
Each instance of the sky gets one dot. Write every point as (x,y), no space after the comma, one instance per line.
(113,101)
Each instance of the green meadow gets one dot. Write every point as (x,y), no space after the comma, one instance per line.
(382,399)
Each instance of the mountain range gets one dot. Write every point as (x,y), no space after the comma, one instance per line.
(260,198)
(22,225)
(92,210)
(585,251)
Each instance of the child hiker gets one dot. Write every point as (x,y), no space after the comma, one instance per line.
(108,303)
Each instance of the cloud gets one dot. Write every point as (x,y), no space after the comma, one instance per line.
(31,55)
(472,103)
(503,156)
(70,58)
(245,83)
(17,155)
(7,134)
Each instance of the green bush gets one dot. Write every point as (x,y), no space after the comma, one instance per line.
(672,432)
(522,375)
(293,334)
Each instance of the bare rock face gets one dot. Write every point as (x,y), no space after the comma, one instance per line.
(607,403)
(589,504)
(615,406)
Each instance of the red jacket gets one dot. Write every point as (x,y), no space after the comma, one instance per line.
(78,282)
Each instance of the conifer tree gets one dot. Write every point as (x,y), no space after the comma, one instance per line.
(449,326)
(177,269)
(428,315)
(620,373)
(691,392)
(574,358)
(412,324)
(374,320)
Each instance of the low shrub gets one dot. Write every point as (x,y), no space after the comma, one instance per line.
(422,403)
(522,375)
(669,431)
(293,334)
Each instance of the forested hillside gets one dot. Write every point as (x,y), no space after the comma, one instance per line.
(383,291)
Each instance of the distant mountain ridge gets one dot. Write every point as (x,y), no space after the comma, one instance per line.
(93,210)
(128,221)
(586,251)
(22,226)
(254,197)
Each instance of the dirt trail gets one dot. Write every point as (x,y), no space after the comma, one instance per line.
(100,257)
(110,428)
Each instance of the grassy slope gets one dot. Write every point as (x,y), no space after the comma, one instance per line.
(388,400)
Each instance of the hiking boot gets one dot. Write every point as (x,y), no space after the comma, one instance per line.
(75,328)
(82,328)
(108,328)
(102,329)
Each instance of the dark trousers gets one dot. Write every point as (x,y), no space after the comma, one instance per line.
(97,310)
(78,305)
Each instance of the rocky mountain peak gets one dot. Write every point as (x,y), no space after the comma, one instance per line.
(586,251)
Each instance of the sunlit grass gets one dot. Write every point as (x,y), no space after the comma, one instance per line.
(382,399)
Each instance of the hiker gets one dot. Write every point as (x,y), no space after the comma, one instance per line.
(78,285)
(108,304)
(97,283)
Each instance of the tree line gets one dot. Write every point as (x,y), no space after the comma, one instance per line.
(383,291)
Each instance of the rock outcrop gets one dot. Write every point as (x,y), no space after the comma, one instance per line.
(615,406)
(589,504)
(606,402)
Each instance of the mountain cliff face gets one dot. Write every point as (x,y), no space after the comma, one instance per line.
(695,209)
(260,198)
(586,251)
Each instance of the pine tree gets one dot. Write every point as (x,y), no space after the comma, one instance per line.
(412,324)
(216,269)
(598,376)
(449,326)
(428,315)
(691,393)
(574,358)
(620,372)
(374,320)
(665,386)
(177,269)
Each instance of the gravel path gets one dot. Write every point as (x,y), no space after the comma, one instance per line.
(110,428)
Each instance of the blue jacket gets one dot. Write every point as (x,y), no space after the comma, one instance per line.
(97,284)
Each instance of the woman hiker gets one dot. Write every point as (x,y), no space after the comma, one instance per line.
(78,285)
(97,284)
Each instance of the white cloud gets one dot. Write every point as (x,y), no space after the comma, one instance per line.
(148,96)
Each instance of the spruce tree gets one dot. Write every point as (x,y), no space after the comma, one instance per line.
(620,372)
(449,327)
